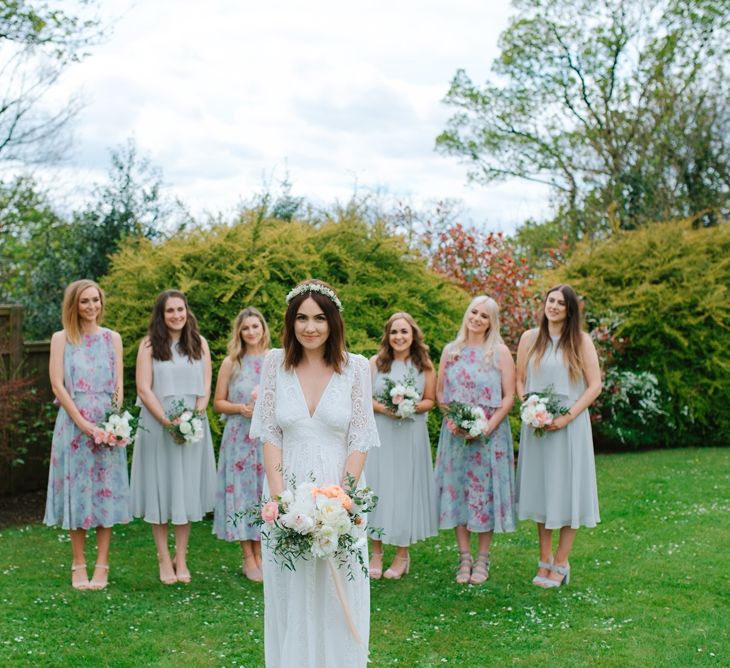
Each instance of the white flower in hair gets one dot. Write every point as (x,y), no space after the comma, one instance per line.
(315,287)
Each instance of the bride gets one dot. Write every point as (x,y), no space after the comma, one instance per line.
(315,418)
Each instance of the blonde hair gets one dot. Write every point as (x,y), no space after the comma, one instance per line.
(492,337)
(236,347)
(70,310)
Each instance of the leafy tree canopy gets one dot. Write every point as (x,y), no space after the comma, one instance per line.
(618,105)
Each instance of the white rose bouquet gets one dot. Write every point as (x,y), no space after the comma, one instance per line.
(307,521)
(466,419)
(187,424)
(540,409)
(117,429)
(400,397)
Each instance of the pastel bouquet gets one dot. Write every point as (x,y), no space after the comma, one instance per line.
(187,424)
(466,418)
(540,409)
(117,429)
(307,521)
(400,397)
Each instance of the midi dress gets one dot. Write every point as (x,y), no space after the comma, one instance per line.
(172,482)
(88,484)
(240,459)
(475,479)
(400,471)
(556,473)
(304,624)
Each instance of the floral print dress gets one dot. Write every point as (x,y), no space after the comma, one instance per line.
(88,485)
(240,460)
(475,479)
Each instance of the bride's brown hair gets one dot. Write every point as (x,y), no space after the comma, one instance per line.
(335,352)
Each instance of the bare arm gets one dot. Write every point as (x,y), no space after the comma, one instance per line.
(429,392)
(143,374)
(507,371)
(526,341)
(379,407)
(355,463)
(119,369)
(201,403)
(220,400)
(55,372)
(440,382)
(592,375)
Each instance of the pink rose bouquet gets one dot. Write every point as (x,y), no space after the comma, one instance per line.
(540,409)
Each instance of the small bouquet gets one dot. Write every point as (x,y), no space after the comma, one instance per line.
(400,397)
(467,418)
(307,521)
(117,429)
(539,410)
(187,424)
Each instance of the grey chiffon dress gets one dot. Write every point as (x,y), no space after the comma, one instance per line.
(172,482)
(400,471)
(556,473)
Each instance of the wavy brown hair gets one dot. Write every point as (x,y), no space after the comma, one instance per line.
(236,345)
(190,343)
(335,353)
(570,338)
(418,352)
(70,310)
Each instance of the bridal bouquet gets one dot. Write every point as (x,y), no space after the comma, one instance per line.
(117,429)
(400,397)
(539,410)
(187,424)
(323,522)
(467,418)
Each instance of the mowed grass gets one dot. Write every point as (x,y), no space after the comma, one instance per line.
(651,587)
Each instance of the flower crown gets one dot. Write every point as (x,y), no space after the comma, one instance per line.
(315,287)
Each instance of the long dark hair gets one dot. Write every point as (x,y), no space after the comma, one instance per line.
(418,352)
(189,344)
(334,347)
(570,337)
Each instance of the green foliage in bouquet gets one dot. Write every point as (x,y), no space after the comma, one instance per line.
(255,260)
(666,288)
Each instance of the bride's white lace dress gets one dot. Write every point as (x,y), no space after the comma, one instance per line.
(304,625)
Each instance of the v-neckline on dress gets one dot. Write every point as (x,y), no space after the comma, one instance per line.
(304,396)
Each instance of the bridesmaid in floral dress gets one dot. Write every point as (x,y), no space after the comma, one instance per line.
(87,483)
(475,477)
(240,461)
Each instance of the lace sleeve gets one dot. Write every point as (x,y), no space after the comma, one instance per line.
(263,421)
(362,433)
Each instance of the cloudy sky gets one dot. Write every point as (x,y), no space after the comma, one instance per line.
(227,95)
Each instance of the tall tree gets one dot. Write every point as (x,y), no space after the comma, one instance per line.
(618,105)
(38,41)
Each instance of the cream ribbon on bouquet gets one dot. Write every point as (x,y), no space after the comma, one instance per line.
(343,600)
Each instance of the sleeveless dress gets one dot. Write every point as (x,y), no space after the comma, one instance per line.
(556,474)
(475,479)
(171,482)
(87,483)
(304,625)
(240,459)
(400,471)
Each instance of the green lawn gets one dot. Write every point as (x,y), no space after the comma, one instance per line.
(651,587)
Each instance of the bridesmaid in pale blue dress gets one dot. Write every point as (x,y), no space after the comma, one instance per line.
(475,476)
(172,483)
(87,482)
(556,476)
(240,460)
(400,471)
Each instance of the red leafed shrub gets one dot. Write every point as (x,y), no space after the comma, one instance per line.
(486,263)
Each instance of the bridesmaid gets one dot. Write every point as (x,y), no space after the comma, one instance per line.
(400,471)
(170,482)
(475,477)
(87,483)
(556,476)
(240,461)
